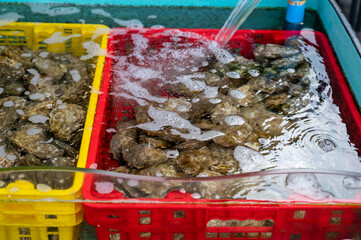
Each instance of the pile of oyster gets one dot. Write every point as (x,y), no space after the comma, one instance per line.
(43,102)
(219,117)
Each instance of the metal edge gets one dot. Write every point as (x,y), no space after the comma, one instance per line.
(347,26)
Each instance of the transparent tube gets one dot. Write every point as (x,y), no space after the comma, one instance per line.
(303,185)
(239,14)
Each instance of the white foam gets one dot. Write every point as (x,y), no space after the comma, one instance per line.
(20,112)
(133,183)
(307,185)
(234,120)
(35,79)
(291,70)
(182,108)
(38,119)
(9,104)
(352,183)
(162,118)
(253,72)
(75,75)
(44,54)
(58,38)
(57,11)
(27,55)
(2,151)
(124,23)
(110,130)
(220,53)
(215,100)
(237,94)
(196,195)
(93,49)
(104,187)
(11,157)
(152,16)
(34,131)
(248,159)
(7,18)
(93,166)
(233,74)
(198,86)
(36,96)
(43,187)
(172,153)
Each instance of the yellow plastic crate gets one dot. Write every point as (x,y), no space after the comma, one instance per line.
(38,233)
(32,35)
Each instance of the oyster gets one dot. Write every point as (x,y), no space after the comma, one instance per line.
(192,162)
(234,135)
(32,139)
(66,119)
(274,51)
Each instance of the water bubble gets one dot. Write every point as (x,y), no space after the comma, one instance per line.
(237,94)
(196,195)
(172,154)
(43,187)
(234,120)
(75,75)
(104,187)
(36,96)
(215,100)
(38,119)
(110,130)
(233,74)
(9,104)
(253,72)
(152,17)
(133,183)
(326,145)
(34,131)
(352,182)
(44,54)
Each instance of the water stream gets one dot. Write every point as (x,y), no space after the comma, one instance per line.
(239,14)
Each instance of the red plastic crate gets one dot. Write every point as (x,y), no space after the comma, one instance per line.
(121,220)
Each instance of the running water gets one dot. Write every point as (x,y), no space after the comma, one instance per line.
(239,14)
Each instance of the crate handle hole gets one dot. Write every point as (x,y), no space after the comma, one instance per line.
(266,235)
(145,220)
(301,214)
(114,236)
(211,235)
(239,235)
(252,235)
(178,236)
(225,235)
(24,231)
(239,223)
(331,235)
(179,214)
(295,237)
(335,220)
(145,235)
(53,237)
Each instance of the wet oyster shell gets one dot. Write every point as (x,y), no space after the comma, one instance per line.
(66,119)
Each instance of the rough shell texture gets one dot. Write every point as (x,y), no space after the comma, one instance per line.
(66,119)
